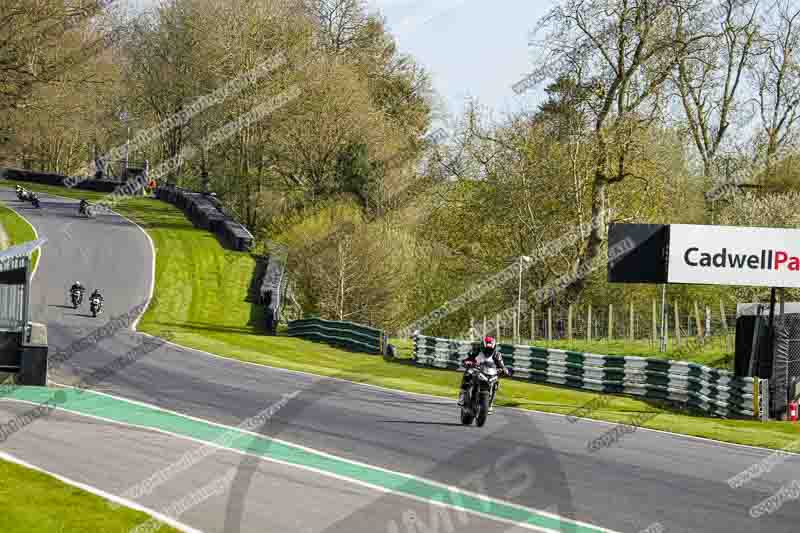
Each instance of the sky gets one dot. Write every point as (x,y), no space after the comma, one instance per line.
(472,48)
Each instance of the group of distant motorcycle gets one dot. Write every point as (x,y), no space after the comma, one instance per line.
(84,208)
(28,196)
(95,300)
(77,290)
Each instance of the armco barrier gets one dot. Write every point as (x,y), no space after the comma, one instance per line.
(45,178)
(205,211)
(340,333)
(713,391)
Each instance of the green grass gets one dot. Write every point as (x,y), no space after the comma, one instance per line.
(201,293)
(17,229)
(36,502)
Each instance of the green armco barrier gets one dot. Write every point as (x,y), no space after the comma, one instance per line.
(710,390)
(355,337)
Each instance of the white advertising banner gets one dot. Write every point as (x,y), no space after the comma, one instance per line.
(732,255)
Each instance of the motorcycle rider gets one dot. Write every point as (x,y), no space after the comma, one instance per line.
(83,206)
(77,287)
(96,294)
(489,350)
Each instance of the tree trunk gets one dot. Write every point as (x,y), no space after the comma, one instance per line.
(597,233)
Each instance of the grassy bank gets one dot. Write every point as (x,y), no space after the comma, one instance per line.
(17,229)
(201,292)
(67,509)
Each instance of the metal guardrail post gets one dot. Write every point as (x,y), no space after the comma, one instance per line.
(27,292)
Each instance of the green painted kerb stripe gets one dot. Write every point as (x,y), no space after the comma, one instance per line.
(90,403)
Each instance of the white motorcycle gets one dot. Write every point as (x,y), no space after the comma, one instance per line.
(95,305)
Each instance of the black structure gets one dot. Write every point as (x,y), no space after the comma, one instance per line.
(647,262)
(770,353)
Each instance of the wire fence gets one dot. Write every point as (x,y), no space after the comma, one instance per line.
(680,325)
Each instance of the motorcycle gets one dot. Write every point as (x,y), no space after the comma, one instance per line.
(482,385)
(35,201)
(95,305)
(86,211)
(22,194)
(77,298)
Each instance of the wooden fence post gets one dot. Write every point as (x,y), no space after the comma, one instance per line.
(697,321)
(631,331)
(533,323)
(655,326)
(589,324)
(725,325)
(569,322)
(549,323)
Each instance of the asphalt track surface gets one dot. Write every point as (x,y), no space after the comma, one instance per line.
(648,479)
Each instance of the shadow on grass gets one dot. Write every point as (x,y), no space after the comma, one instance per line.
(202,326)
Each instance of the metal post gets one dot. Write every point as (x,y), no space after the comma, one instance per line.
(519,292)
(631,331)
(754,345)
(663,346)
(569,323)
(127,146)
(26,298)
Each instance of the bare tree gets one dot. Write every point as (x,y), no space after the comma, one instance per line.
(32,36)
(340,22)
(777,80)
(626,51)
(709,78)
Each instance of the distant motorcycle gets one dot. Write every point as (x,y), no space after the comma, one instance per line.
(95,306)
(77,298)
(482,385)
(86,210)
(22,194)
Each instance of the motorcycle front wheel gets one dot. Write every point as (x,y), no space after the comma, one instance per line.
(467,415)
(483,410)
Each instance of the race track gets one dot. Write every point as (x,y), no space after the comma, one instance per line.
(536,460)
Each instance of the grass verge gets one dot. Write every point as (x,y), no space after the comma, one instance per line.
(201,291)
(68,508)
(17,229)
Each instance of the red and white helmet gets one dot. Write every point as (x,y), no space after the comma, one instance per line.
(488,344)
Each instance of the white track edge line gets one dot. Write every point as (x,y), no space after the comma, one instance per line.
(345,478)
(527,412)
(101,493)
(149,240)
(35,237)
(313,451)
